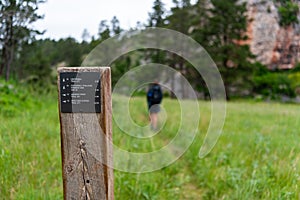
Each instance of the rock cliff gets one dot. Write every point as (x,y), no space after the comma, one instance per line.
(274,45)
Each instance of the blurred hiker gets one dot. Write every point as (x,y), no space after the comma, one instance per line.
(154,98)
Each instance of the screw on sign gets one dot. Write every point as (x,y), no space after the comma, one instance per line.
(85,116)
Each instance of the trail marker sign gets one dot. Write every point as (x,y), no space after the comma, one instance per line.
(80,92)
(85,110)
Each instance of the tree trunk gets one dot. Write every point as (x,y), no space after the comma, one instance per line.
(182,71)
(172,87)
(227,92)
(8,49)
(2,62)
(173,65)
(10,53)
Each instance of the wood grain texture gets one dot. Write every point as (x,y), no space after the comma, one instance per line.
(86,151)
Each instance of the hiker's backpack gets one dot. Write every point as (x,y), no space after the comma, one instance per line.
(155,94)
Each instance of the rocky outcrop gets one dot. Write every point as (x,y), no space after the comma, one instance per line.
(274,45)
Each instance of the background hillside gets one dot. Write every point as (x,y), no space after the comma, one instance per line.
(254,43)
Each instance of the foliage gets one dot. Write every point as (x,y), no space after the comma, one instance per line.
(225,32)
(199,21)
(115,26)
(14,99)
(288,13)
(36,66)
(219,26)
(69,51)
(120,67)
(16,16)
(296,68)
(295,82)
(103,31)
(260,69)
(157,16)
(273,85)
(106,30)
(179,20)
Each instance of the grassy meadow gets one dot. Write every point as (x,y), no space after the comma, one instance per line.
(256,157)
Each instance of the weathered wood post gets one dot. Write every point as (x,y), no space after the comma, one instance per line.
(85,109)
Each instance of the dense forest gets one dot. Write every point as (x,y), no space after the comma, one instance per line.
(219,26)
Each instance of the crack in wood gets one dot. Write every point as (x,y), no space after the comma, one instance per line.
(86,182)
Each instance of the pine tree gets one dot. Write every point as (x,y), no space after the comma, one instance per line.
(15,18)
(157,16)
(115,26)
(156,19)
(225,34)
(103,30)
(180,20)
(199,21)
(85,36)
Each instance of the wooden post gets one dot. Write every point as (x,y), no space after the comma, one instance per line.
(85,111)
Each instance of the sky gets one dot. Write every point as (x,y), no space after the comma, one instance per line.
(64,18)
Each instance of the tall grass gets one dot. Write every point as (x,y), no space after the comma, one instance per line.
(30,158)
(257,156)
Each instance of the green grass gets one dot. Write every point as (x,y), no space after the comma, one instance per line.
(257,157)
(30,158)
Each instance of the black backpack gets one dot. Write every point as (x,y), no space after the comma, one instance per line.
(155,94)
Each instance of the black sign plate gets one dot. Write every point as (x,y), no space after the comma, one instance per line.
(80,92)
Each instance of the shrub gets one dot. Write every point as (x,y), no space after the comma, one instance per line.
(273,85)
(13,99)
(295,82)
